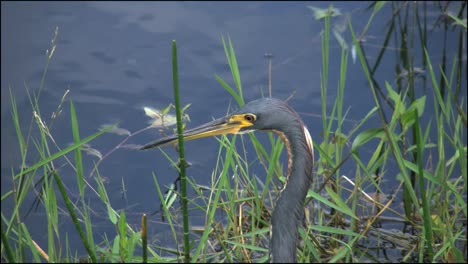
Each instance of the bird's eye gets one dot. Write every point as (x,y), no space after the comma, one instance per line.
(250,118)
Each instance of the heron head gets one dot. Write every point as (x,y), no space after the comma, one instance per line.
(260,114)
(266,114)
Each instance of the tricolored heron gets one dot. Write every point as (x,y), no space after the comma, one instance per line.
(269,114)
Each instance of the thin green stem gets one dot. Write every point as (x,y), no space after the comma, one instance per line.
(182,163)
(144,238)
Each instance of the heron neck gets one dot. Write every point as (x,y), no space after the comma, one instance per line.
(289,209)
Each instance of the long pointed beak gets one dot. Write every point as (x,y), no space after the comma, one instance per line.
(222,126)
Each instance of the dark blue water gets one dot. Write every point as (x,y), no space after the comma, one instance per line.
(115,58)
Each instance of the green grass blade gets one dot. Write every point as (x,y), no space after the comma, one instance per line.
(333,230)
(166,211)
(231,91)
(422,188)
(232,61)
(71,211)
(366,136)
(7,247)
(78,157)
(35,250)
(338,205)
(435,86)
(61,153)
(15,117)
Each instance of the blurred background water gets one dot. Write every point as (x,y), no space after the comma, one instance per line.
(115,58)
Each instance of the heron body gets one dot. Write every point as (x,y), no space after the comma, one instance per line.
(269,114)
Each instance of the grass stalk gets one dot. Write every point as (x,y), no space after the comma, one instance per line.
(182,162)
(144,238)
